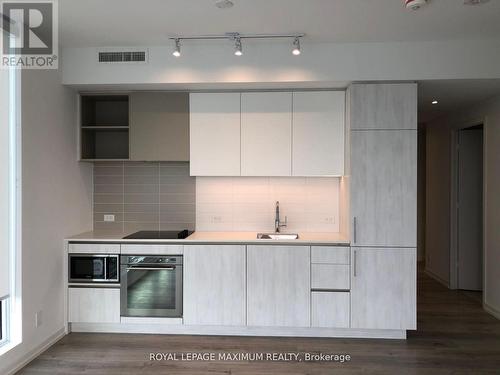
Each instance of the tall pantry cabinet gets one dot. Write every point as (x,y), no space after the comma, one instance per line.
(383,204)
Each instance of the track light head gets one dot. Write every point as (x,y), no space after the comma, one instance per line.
(238,51)
(296,46)
(177,50)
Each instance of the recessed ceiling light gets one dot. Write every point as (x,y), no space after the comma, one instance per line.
(434,101)
(475,2)
(224,4)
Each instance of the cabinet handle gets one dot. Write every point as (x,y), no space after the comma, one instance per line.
(355,265)
(354,229)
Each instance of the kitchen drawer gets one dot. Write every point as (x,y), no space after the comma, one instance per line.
(94,305)
(330,254)
(330,276)
(145,249)
(330,309)
(94,248)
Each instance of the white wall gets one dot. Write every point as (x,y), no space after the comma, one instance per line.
(57,196)
(438,194)
(320,64)
(248,203)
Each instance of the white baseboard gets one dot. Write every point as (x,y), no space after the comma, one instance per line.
(491,310)
(437,278)
(239,331)
(32,354)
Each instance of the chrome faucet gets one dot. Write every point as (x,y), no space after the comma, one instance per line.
(277,222)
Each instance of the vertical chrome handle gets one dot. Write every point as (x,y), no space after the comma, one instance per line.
(355,263)
(354,229)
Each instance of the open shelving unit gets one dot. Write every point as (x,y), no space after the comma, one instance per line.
(104,127)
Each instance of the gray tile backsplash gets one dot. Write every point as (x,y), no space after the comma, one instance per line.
(144,195)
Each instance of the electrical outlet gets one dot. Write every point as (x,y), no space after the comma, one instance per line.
(109,218)
(38,319)
(330,220)
(216,219)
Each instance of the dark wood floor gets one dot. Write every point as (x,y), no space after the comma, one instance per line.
(454,336)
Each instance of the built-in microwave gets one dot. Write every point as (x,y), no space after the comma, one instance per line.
(89,268)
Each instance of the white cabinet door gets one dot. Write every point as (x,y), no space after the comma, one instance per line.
(93,305)
(266,133)
(330,309)
(278,287)
(318,133)
(384,188)
(383,288)
(383,106)
(159,126)
(214,285)
(215,134)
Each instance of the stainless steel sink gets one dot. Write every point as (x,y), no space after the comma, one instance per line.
(277,236)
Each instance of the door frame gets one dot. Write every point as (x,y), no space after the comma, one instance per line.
(453,284)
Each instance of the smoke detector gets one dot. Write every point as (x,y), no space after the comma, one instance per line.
(415,4)
(224,4)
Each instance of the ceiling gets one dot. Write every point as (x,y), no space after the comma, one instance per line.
(453,95)
(92,23)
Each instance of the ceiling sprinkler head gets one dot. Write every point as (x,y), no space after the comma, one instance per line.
(224,4)
(415,4)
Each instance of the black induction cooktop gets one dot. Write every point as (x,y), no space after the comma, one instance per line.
(158,235)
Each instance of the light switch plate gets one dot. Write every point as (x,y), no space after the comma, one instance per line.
(109,218)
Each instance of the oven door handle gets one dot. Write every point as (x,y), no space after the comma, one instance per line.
(151,268)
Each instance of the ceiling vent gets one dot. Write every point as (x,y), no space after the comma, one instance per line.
(123,56)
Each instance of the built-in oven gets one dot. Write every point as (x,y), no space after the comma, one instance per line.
(89,268)
(151,286)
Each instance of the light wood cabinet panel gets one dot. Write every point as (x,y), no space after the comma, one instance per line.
(266,133)
(330,254)
(278,289)
(384,188)
(330,309)
(93,305)
(93,248)
(318,133)
(383,106)
(330,276)
(215,134)
(383,288)
(159,126)
(215,285)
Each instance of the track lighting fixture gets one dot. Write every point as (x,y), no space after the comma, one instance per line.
(177,50)
(236,38)
(296,46)
(237,47)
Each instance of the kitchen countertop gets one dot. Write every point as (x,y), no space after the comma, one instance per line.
(214,237)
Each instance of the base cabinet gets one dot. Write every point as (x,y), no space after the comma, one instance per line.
(214,285)
(94,305)
(383,288)
(278,286)
(330,309)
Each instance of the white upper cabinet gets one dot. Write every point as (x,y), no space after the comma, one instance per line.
(318,133)
(266,134)
(215,134)
(384,106)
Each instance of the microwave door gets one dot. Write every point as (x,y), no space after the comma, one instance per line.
(85,268)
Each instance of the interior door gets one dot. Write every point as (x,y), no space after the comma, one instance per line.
(384,187)
(470,209)
(383,288)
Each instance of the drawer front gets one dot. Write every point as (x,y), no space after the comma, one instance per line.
(94,248)
(330,254)
(153,249)
(93,305)
(330,276)
(330,309)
